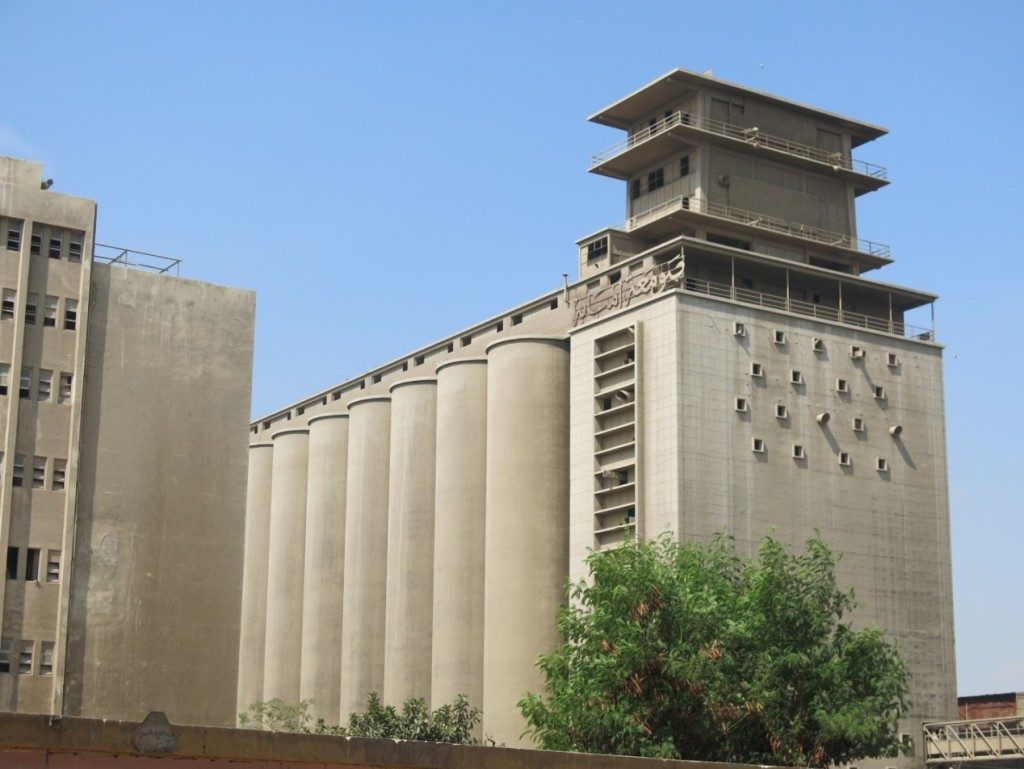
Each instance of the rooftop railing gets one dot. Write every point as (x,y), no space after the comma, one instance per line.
(987,739)
(761,221)
(141,260)
(819,311)
(752,136)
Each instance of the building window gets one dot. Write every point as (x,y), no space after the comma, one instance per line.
(655,180)
(56,239)
(25,658)
(75,250)
(36,243)
(684,165)
(757,445)
(50,311)
(6,647)
(25,386)
(795,377)
(18,474)
(879,392)
(818,345)
(844,459)
(882,464)
(780,336)
(892,359)
(13,237)
(652,125)
(7,305)
(553,304)
(756,369)
(38,472)
(741,404)
(516,319)
(32,564)
(31,306)
(45,385)
(798,452)
(466,341)
(53,566)
(856,352)
(842,386)
(66,382)
(781,412)
(5,378)
(46,659)
(597,249)
(70,314)
(858,424)
(12,563)
(738,329)
(634,189)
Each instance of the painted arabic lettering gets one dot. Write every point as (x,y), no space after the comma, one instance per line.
(651,281)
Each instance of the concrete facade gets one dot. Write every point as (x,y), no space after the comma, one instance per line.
(123,438)
(721,363)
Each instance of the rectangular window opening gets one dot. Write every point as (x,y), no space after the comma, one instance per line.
(842,386)
(25,658)
(738,329)
(70,314)
(466,341)
(38,472)
(844,459)
(879,392)
(31,307)
(882,464)
(516,319)
(858,424)
(781,412)
(893,360)
(45,385)
(796,377)
(684,165)
(18,473)
(6,647)
(597,249)
(5,378)
(741,404)
(56,240)
(50,311)
(780,336)
(12,563)
(10,296)
(25,384)
(13,237)
(655,179)
(32,564)
(36,243)
(818,345)
(74,251)
(66,383)
(756,369)
(798,452)
(634,189)
(46,659)
(757,445)
(53,566)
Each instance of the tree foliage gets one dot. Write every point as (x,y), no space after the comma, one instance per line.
(688,651)
(452,723)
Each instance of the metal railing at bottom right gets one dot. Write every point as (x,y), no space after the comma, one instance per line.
(986,739)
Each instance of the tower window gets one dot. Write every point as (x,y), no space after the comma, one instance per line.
(45,385)
(59,473)
(18,475)
(893,360)
(796,377)
(70,314)
(652,125)
(14,237)
(6,647)
(53,566)
(818,345)
(5,378)
(75,250)
(66,382)
(553,305)
(842,386)
(50,311)
(516,319)
(781,412)
(32,564)
(25,658)
(597,249)
(879,392)
(780,336)
(798,452)
(882,464)
(466,341)
(36,243)
(56,239)
(741,404)
(738,329)
(756,369)
(31,306)
(38,472)
(25,386)
(634,189)
(684,165)
(655,180)
(858,424)
(844,459)
(757,445)
(7,304)
(12,563)
(46,659)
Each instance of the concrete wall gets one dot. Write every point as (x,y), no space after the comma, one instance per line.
(408,623)
(157,573)
(527,520)
(460,500)
(286,568)
(252,640)
(324,565)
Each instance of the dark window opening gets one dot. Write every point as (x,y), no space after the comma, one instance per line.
(597,249)
(451,347)
(517,319)
(419,360)
(466,341)
(500,327)
(615,277)
(634,189)
(554,304)
(725,240)
(36,244)
(12,563)
(13,239)
(652,125)
(684,165)
(655,179)
(55,243)
(74,251)
(376,378)
(32,564)
(606,403)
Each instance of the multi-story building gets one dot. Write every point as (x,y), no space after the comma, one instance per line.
(722,363)
(124,399)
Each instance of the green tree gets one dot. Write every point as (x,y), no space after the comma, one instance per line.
(452,723)
(689,651)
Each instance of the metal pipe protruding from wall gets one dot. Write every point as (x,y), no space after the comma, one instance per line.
(323,586)
(409,610)
(283,651)
(457,658)
(526,527)
(253,635)
(366,553)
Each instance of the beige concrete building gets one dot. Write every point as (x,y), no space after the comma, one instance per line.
(124,395)
(723,361)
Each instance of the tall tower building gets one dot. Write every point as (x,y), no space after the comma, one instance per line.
(722,363)
(124,398)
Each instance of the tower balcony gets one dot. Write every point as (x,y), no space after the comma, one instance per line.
(647,146)
(666,219)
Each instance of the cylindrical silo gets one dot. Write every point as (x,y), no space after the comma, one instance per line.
(283,651)
(410,541)
(457,661)
(526,529)
(254,576)
(325,565)
(366,552)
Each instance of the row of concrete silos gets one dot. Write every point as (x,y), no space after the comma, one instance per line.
(415,544)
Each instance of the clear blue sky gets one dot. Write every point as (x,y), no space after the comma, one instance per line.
(386,173)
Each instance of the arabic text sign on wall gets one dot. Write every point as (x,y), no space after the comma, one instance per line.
(651,281)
